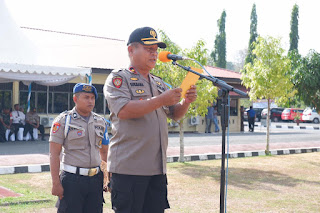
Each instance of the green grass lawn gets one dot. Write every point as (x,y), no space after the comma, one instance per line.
(288,183)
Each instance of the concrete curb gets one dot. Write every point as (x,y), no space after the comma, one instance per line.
(36,168)
(288,127)
(244,154)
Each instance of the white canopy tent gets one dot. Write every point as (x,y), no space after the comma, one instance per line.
(43,75)
(21,60)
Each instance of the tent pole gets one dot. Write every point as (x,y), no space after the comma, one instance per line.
(48,101)
(29,96)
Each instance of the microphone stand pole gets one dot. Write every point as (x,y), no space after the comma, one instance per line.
(224,94)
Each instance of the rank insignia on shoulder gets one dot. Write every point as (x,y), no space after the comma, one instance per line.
(56,127)
(117,81)
(139,91)
(134,79)
(132,70)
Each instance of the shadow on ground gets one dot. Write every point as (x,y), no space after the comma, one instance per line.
(249,179)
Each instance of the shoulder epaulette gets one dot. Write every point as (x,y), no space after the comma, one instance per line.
(118,70)
(155,76)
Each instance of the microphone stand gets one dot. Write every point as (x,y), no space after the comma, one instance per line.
(224,94)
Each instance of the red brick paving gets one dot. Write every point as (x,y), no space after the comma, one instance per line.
(4,192)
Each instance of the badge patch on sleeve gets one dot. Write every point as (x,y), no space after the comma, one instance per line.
(139,91)
(56,127)
(117,81)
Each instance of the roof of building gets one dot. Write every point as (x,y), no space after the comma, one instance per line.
(222,73)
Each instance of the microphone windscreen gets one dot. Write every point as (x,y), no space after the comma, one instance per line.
(163,56)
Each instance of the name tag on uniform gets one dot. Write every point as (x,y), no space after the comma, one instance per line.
(134,84)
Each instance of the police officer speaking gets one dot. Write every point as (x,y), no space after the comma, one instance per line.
(140,103)
(84,138)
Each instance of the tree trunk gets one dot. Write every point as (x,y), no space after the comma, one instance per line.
(268,129)
(181,158)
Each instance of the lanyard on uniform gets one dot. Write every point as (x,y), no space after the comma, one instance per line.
(68,125)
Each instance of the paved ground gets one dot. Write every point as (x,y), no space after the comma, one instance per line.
(28,153)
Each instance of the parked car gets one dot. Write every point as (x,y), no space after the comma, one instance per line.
(258,113)
(311,115)
(289,114)
(275,114)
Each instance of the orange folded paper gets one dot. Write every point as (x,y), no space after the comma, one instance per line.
(189,80)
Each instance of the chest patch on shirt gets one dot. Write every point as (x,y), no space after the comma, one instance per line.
(139,91)
(56,127)
(79,133)
(160,87)
(117,81)
(134,84)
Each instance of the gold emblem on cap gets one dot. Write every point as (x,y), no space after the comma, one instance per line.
(87,88)
(153,33)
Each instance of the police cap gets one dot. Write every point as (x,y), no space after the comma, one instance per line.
(83,87)
(145,36)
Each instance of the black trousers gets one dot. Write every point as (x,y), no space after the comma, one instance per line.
(251,124)
(29,128)
(139,194)
(82,194)
(2,133)
(16,127)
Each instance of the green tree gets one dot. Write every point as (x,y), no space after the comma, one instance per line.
(294,33)
(294,101)
(267,76)
(219,54)
(253,34)
(306,79)
(174,76)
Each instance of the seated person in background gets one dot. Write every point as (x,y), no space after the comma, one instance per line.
(5,122)
(33,121)
(2,130)
(23,116)
(17,119)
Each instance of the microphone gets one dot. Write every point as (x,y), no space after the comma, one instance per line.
(166,56)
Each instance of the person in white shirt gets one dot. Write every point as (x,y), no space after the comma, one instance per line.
(17,118)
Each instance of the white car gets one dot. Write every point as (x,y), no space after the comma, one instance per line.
(311,115)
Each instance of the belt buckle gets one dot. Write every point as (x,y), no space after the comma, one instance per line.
(92,172)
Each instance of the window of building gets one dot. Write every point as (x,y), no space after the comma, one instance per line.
(24,100)
(41,102)
(60,98)
(233,107)
(5,99)
(5,95)
(60,102)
